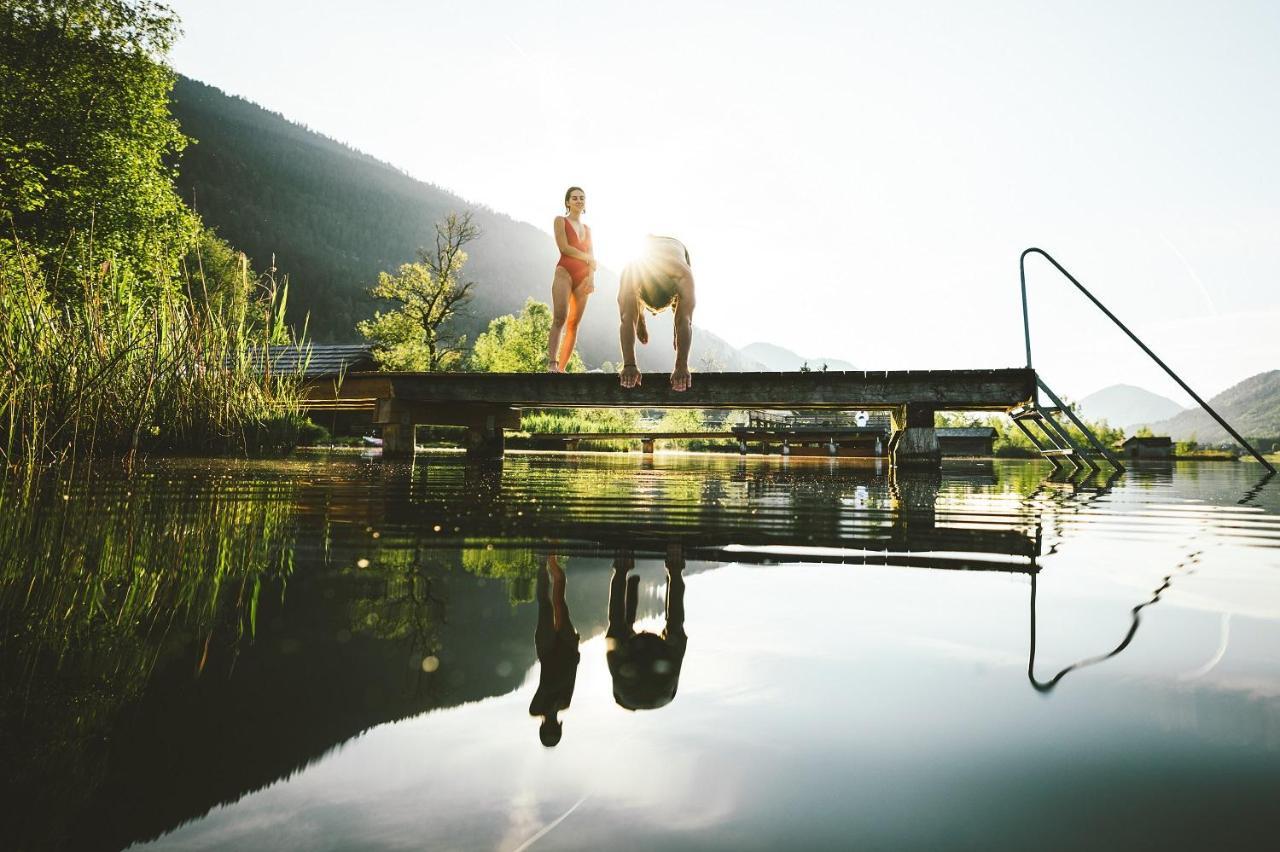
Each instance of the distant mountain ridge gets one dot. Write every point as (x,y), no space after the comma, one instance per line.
(333,218)
(1127,405)
(779,359)
(1252,407)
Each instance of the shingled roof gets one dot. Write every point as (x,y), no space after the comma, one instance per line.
(317,361)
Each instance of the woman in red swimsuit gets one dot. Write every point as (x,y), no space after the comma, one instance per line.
(574,280)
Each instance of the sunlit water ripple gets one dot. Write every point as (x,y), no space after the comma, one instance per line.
(336,653)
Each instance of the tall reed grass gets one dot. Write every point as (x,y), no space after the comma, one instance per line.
(128,366)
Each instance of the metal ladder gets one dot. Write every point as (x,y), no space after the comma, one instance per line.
(1060,444)
(1054,441)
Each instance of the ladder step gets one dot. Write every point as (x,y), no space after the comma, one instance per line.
(1059,453)
(1033,413)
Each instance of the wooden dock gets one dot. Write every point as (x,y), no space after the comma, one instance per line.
(490,403)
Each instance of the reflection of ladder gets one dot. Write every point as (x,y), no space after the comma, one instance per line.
(1055,441)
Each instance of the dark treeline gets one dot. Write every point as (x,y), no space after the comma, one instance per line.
(335,218)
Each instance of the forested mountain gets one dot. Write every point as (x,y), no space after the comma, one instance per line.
(1252,407)
(334,218)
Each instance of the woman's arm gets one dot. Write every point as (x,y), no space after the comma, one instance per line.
(562,242)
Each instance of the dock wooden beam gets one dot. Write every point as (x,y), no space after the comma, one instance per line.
(951,390)
(489,403)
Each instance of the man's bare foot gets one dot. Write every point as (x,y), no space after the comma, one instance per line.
(642,330)
(630,376)
(680,379)
(553,367)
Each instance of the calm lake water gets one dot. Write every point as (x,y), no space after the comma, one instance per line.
(333,653)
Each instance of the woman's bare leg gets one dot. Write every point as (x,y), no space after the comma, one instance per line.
(561,288)
(577,307)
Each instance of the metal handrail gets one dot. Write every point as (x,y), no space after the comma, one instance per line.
(1026,329)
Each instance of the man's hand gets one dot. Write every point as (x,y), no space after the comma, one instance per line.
(680,379)
(630,376)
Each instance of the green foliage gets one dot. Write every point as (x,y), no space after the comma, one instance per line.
(581,420)
(518,344)
(1011,441)
(689,420)
(87,144)
(121,370)
(418,336)
(519,567)
(575,420)
(311,433)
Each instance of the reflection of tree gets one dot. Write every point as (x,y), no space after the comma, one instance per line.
(108,581)
(518,567)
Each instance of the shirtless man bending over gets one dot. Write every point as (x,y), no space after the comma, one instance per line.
(660,279)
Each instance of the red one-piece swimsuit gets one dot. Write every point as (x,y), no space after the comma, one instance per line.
(578,269)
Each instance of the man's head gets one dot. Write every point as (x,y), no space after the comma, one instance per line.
(550,731)
(645,671)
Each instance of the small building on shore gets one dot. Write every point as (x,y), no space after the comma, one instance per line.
(1149,447)
(966,441)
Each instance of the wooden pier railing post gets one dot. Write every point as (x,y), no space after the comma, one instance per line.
(917,442)
(397,441)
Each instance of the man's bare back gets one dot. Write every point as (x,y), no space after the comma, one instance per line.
(661,278)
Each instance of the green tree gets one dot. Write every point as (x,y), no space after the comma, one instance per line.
(87,144)
(518,344)
(430,294)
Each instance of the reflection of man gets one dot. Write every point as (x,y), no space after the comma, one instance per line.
(557,644)
(663,277)
(645,667)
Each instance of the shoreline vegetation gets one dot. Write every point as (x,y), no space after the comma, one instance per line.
(127,326)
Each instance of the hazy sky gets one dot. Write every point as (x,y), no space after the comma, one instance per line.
(854,180)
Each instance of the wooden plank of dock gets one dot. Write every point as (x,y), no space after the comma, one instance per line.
(951,390)
(488,403)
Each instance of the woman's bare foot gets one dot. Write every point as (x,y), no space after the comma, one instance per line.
(553,367)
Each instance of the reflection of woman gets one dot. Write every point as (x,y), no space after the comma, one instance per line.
(645,667)
(557,644)
(574,280)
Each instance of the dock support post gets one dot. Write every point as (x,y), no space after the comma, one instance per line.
(485,443)
(646,444)
(397,429)
(742,447)
(917,443)
(397,440)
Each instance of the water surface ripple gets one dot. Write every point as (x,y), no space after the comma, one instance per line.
(615,651)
